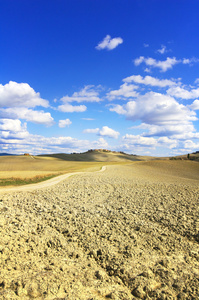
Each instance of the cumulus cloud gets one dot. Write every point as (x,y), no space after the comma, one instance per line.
(155,108)
(72,108)
(137,140)
(105,131)
(38,117)
(153,63)
(190,145)
(163,65)
(17,101)
(180,92)
(139,60)
(177,130)
(149,80)
(11,125)
(20,141)
(109,43)
(12,130)
(15,94)
(195,105)
(95,130)
(167,142)
(87,94)
(125,91)
(64,123)
(141,143)
(190,61)
(68,144)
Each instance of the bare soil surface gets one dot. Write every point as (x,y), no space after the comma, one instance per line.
(131,232)
(43,184)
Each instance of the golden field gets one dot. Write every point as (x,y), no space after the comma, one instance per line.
(13,169)
(129,232)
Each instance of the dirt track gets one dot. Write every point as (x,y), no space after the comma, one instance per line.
(43,184)
(130,232)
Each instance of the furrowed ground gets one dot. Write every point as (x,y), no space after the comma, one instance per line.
(130,232)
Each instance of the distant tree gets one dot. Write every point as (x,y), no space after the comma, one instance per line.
(188,156)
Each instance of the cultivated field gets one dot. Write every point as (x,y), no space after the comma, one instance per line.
(19,170)
(130,232)
(33,169)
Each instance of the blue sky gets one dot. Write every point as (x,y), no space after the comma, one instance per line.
(115,74)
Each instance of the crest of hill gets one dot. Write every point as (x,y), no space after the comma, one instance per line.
(97,155)
(190,156)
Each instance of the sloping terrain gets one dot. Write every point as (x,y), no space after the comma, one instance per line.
(97,155)
(131,232)
(30,166)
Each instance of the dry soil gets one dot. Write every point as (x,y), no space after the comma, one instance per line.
(130,232)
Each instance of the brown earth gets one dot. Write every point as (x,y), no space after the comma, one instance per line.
(130,232)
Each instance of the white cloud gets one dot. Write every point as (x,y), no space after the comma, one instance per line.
(167,142)
(153,63)
(64,123)
(105,131)
(125,91)
(149,80)
(162,50)
(155,108)
(87,94)
(16,101)
(182,93)
(195,105)
(190,61)
(146,45)
(186,61)
(163,65)
(88,119)
(137,140)
(196,81)
(95,130)
(180,131)
(12,130)
(187,135)
(21,141)
(190,145)
(72,108)
(15,94)
(38,117)
(139,60)
(109,43)
(140,143)
(147,70)
(10,125)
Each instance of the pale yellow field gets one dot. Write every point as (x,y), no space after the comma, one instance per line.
(29,167)
(129,232)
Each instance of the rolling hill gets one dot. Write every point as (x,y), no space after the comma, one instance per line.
(100,155)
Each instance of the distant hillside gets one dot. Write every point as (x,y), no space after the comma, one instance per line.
(190,156)
(98,155)
(5,154)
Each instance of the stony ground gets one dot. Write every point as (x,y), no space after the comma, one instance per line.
(130,232)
